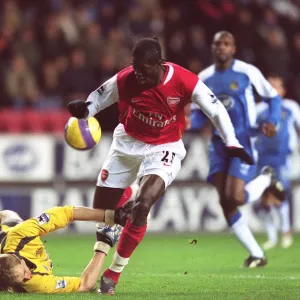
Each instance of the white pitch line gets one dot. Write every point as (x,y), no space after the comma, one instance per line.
(213,276)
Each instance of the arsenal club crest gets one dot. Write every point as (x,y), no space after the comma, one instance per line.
(173,101)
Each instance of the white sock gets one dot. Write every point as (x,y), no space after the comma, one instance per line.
(245,236)
(284,212)
(118,263)
(256,187)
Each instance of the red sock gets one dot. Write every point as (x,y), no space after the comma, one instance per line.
(130,238)
(125,197)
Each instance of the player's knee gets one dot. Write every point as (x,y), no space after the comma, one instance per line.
(143,208)
(236,198)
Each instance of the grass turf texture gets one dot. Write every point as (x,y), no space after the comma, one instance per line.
(168,267)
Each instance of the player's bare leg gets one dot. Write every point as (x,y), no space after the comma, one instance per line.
(107,198)
(286,230)
(270,203)
(151,189)
(232,194)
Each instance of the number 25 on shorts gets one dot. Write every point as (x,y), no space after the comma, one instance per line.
(168,158)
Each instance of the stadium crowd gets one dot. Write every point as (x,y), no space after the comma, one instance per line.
(54,51)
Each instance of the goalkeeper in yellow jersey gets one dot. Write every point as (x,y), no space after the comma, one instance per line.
(25,265)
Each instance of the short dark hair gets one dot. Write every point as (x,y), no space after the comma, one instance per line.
(148,49)
(7,276)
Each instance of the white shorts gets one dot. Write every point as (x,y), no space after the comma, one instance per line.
(129,159)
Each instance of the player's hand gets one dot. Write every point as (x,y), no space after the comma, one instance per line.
(124,212)
(241,153)
(78,108)
(268,129)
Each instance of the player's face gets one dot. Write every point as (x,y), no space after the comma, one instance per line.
(223,48)
(22,272)
(146,74)
(278,85)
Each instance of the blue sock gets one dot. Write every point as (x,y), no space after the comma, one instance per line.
(234,218)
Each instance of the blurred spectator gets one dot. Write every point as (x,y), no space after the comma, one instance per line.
(29,47)
(53,41)
(107,67)
(174,21)
(157,25)
(20,83)
(286,8)
(77,80)
(244,35)
(7,37)
(67,25)
(177,48)
(93,44)
(275,57)
(195,65)
(136,24)
(107,16)
(61,62)
(198,48)
(53,51)
(115,43)
(51,96)
(11,15)
(296,54)
(270,23)
(216,13)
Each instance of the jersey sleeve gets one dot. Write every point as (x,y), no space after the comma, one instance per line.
(189,81)
(51,220)
(262,86)
(51,284)
(296,114)
(216,112)
(260,108)
(267,92)
(106,95)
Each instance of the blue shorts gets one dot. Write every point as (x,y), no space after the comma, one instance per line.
(280,165)
(219,161)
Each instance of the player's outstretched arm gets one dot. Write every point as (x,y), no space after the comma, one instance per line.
(106,95)
(90,275)
(217,113)
(59,217)
(109,217)
(269,95)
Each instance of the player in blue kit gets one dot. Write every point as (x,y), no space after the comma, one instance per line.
(232,82)
(275,152)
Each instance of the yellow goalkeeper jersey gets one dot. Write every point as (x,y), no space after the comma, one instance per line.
(24,240)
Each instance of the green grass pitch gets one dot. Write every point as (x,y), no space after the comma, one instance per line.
(168,267)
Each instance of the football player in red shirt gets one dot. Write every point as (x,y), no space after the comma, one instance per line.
(147,144)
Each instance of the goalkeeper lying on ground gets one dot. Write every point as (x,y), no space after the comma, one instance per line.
(24,262)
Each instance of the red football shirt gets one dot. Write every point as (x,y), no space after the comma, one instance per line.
(155,115)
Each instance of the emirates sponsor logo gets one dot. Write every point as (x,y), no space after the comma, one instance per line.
(153,119)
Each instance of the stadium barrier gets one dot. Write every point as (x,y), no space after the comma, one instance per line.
(41,171)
